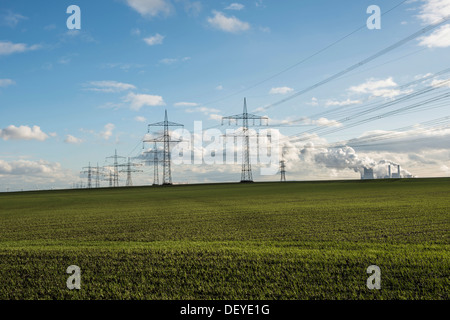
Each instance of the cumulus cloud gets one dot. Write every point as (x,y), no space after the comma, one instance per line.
(6,82)
(23,133)
(26,167)
(378,88)
(140,119)
(235,6)
(440,38)
(27,174)
(203,110)
(185,104)
(280,90)
(108,131)
(72,140)
(347,102)
(434,10)
(137,101)
(150,8)
(109,86)
(227,24)
(430,12)
(154,40)
(8,47)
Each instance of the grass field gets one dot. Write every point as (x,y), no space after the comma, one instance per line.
(299,240)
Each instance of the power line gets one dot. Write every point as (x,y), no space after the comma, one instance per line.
(363,62)
(303,60)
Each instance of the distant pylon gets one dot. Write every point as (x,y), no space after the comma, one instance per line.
(115,181)
(89,173)
(128,169)
(167,173)
(97,176)
(246,173)
(283,170)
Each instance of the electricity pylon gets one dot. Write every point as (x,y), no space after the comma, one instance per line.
(115,177)
(283,170)
(97,176)
(88,171)
(166,139)
(129,169)
(246,174)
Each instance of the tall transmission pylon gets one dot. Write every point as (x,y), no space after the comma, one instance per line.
(129,169)
(283,170)
(115,177)
(166,140)
(88,171)
(246,174)
(97,176)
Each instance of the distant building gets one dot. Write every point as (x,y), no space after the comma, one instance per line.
(368,174)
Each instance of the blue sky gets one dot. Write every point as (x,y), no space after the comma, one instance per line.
(70,97)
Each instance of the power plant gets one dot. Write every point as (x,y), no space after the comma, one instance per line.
(368,173)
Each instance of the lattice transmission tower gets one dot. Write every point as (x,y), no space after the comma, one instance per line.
(129,169)
(246,174)
(115,173)
(88,170)
(166,140)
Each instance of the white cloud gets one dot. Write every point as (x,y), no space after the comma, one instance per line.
(313,102)
(154,40)
(235,6)
(150,8)
(110,86)
(219,87)
(440,38)
(341,103)
(26,167)
(7,47)
(72,140)
(204,110)
(173,60)
(108,131)
(23,133)
(379,88)
(372,85)
(434,10)
(441,83)
(168,61)
(227,24)
(6,82)
(137,101)
(185,104)
(11,19)
(140,119)
(324,122)
(280,90)
(214,116)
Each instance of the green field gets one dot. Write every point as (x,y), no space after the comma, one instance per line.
(295,240)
